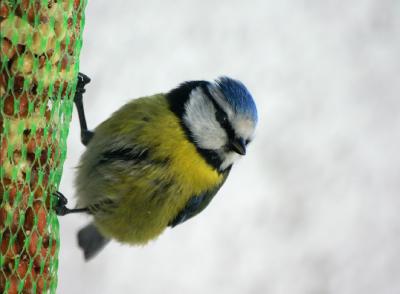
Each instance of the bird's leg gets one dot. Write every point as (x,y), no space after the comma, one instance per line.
(61,206)
(86,135)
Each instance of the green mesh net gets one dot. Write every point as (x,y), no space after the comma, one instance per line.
(40,46)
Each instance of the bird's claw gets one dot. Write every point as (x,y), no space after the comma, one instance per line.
(83,80)
(61,204)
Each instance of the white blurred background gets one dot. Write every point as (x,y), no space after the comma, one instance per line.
(314,207)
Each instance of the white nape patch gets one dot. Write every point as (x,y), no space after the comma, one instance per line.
(200,119)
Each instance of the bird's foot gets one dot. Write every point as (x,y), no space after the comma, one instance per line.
(61,205)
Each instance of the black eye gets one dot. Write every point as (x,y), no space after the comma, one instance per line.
(247,141)
(222,118)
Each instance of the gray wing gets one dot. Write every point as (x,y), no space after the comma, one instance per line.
(196,204)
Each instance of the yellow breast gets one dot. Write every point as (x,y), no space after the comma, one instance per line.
(186,164)
(161,131)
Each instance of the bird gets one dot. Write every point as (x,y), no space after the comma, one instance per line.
(159,160)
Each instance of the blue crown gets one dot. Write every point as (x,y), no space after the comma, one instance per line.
(238,96)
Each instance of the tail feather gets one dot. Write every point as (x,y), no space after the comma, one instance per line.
(91,241)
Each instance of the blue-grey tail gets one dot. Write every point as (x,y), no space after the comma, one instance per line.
(91,241)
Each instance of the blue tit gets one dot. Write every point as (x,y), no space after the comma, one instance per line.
(159,160)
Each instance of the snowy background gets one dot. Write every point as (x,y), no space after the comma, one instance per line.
(314,207)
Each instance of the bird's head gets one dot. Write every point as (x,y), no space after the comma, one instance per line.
(219,117)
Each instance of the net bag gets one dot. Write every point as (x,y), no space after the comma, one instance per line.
(40,46)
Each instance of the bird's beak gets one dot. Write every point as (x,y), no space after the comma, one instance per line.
(239,146)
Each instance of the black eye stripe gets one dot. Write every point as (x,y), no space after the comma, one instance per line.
(220,115)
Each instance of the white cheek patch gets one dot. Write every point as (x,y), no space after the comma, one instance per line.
(200,119)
